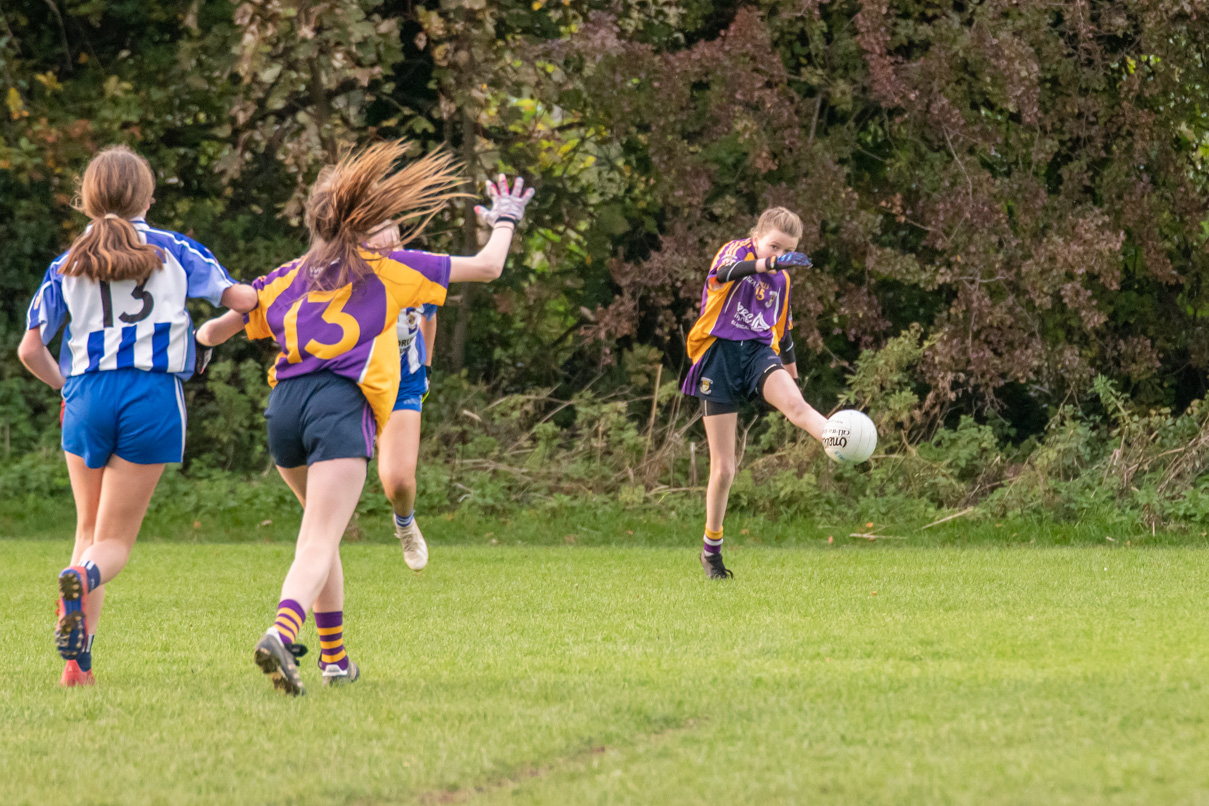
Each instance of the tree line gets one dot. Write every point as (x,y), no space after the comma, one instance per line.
(1018,187)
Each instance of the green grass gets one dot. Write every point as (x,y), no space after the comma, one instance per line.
(618,675)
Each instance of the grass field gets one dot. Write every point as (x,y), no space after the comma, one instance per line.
(574,674)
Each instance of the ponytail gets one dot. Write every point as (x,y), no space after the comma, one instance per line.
(117,185)
(353,198)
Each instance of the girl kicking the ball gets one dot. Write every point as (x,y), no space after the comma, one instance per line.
(333,313)
(740,349)
(129,344)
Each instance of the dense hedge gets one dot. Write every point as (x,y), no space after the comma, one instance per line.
(1005,203)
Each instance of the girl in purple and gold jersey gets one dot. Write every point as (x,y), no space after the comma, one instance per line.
(741,349)
(333,314)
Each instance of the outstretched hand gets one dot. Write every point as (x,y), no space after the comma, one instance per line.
(506,204)
(791,260)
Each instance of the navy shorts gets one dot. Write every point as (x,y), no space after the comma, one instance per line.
(131,413)
(732,372)
(317,417)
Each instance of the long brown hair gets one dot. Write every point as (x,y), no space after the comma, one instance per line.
(354,197)
(117,185)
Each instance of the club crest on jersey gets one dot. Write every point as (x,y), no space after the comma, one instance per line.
(706,385)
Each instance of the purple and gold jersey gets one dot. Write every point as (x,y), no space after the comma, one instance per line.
(753,308)
(349,331)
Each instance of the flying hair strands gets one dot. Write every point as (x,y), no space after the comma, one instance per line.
(352,199)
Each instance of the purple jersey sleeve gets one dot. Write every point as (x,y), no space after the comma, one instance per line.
(733,252)
(434,267)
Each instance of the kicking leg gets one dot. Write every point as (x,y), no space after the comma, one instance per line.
(720,432)
(784,395)
(398,453)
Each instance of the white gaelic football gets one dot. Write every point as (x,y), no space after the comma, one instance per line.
(849,437)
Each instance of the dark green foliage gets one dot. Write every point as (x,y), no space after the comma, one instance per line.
(1004,203)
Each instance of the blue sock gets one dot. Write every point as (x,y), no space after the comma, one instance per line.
(94,575)
(84,660)
(402,522)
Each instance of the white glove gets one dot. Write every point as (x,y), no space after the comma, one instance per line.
(506,205)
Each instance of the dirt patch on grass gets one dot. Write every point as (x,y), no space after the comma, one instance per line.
(443,797)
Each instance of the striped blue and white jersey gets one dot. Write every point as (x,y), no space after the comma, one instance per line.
(124,323)
(412,350)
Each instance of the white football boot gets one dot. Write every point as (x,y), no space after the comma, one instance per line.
(333,675)
(415,550)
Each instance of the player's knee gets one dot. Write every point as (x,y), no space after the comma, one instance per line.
(723,470)
(399,485)
(797,411)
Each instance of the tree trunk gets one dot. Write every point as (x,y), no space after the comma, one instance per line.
(470,235)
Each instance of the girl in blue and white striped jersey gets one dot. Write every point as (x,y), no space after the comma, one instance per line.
(119,295)
(399,442)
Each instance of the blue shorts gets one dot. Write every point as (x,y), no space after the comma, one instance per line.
(130,413)
(732,372)
(317,417)
(413,386)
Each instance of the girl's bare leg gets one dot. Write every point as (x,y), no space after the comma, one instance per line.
(86,489)
(720,431)
(783,393)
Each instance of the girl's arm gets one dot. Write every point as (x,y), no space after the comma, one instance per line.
(428,328)
(507,209)
(240,297)
(488,264)
(38,360)
(218,330)
(737,270)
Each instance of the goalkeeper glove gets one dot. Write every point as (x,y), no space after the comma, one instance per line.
(790,260)
(506,204)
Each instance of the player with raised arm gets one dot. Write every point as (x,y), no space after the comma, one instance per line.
(740,349)
(126,349)
(335,383)
(399,442)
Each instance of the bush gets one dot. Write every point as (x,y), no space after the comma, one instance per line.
(490,455)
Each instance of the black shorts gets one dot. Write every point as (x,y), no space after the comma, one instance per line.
(317,417)
(731,373)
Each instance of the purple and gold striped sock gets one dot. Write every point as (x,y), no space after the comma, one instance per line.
(713,541)
(290,618)
(331,639)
